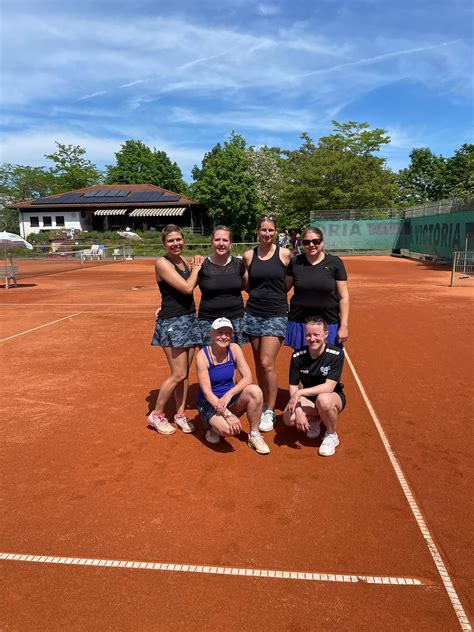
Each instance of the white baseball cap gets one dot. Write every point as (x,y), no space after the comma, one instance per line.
(222,322)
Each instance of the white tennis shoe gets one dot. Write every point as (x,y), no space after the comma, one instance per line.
(329,444)
(267,421)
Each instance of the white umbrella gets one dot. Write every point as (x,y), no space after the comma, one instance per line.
(128,234)
(131,236)
(10,240)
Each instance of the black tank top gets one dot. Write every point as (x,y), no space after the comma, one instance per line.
(173,302)
(267,290)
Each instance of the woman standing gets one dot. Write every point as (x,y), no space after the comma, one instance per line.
(266,313)
(176,328)
(320,289)
(220,281)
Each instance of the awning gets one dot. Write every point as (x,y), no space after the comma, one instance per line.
(111,211)
(164,211)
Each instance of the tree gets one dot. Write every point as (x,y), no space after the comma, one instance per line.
(340,172)
(460,171)
(72,171)
(266,168)
(424,180)
(20,182)
(226,186)
(138,164)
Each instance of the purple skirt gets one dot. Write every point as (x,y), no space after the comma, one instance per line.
(295,335)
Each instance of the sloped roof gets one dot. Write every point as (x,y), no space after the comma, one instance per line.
(127,196)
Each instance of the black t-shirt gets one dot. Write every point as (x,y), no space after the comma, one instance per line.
(221,289)
(315,371)
(315,290)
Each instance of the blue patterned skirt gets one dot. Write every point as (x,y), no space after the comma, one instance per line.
(179,332)
(260,326)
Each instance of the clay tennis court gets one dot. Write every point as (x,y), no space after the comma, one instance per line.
(107,525)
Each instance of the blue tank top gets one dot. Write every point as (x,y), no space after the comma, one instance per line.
(221,376)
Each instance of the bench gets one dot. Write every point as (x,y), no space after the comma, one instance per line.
(9,272)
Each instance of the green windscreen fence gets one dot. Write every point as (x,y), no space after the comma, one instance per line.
(434,235)
(360,234)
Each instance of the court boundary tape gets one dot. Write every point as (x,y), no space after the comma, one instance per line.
(435,554)
(216,570)
(22,333)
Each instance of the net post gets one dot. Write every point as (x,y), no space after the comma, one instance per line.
(453,269)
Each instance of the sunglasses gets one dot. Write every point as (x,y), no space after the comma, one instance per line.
(311,242)
(271,218)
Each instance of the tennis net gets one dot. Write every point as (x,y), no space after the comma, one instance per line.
(38,263)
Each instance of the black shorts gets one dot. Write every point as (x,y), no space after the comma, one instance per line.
(341,395)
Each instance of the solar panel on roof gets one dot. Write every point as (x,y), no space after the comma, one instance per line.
(90,194)
(111,193)
(123,192)
(171,198)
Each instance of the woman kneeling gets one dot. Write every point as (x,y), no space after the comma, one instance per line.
(221,401)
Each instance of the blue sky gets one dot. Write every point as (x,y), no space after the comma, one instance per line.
(181,75)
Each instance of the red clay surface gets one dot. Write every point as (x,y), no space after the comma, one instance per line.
(85,477)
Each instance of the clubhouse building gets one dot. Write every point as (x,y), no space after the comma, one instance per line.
(110,207)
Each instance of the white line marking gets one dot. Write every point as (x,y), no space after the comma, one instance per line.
(435,554)
(40,326)
(213,570)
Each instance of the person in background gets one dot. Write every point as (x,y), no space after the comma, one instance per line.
(316,393)
(266,312)
(320,288)
(176,329)
(221,400)
(221,280)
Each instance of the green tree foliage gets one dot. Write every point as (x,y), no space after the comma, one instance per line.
(265,165)
(71,170)
(460,171)
(424,180)
(339,172)
(20,182)
(138,164)
(226,186)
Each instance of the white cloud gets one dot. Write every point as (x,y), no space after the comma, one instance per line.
(267,9)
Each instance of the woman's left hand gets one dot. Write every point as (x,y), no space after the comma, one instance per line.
(197,260)
(222,403)
(343,334)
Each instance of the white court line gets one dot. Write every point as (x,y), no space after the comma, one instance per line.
(40,327)
(437,559)
(77,304)
(216,570)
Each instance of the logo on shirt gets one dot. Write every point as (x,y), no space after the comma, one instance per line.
(324,370)
(304,371)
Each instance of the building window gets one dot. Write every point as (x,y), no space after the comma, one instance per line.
(47,221)
(34,221)
(59,220)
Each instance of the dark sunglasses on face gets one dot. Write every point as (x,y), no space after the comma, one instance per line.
(313,242)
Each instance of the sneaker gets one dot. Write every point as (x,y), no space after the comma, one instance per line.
(257,442)
(183,422)
(266,421)
(314,430)
(161,424)
(329,444)
(212,437)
